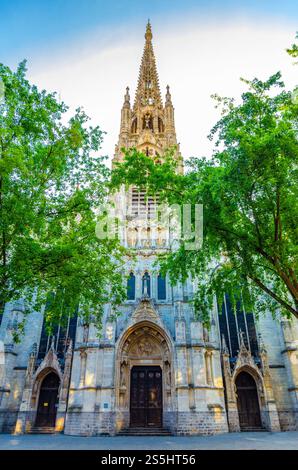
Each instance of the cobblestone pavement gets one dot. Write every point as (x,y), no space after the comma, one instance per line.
(233,441)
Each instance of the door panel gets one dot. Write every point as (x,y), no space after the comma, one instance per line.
(48,401)
(146,396)
(138,395)
(247,402)
(154,404)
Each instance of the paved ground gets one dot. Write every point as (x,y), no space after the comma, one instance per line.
(249,440)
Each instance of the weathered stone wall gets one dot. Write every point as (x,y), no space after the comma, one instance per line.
(203,422)
(179,423)
(92,423)
(13,370)
(281,369)
(198,406)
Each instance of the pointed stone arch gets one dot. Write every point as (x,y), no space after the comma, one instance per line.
(246,363)
(48,398)
(49,365)
(248,400)
(145,342)
(257,376)
(33,383)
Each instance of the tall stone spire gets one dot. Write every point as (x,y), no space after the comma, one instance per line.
(148,92)
(148,125)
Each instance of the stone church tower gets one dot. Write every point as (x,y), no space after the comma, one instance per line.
(155,369)
(148,125)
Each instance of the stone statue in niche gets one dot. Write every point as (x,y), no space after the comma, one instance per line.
(85,333)
(146,286)
(123,375)
(147,121)
(168,373)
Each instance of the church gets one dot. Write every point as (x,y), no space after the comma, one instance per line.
(155,370)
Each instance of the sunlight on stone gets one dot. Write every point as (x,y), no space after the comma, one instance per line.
(18,428)
(198,376)
(60,424)
(218,415)
(218,382)
(89,378)
(179,377)
(110,332)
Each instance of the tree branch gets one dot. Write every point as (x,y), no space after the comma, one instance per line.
(274,296)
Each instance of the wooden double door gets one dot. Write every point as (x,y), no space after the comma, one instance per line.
(146,396)
(248,402)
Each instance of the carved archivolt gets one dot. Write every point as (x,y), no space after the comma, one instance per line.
(245,362)
(49,364)
(145,342)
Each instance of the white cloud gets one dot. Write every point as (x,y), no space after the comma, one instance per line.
(195,58)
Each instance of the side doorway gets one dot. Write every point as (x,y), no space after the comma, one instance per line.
(48,401)
(248,402)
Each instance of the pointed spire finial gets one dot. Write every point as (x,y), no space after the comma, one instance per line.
(241,338)
(148,92)
(148,34)
(53,343)
(69,346)
(127,96)
(225,349)
(262,344)
(168,96)
(33,351)
(145,294)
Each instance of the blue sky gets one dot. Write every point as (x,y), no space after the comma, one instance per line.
(90,50)
(29,27)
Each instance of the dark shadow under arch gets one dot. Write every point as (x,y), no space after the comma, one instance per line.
(48,401)
(146,404)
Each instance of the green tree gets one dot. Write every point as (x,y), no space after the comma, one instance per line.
(51,183)
(249,194)
(293,50)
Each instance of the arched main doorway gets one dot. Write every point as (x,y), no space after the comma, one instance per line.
(48,401)
(247,402)
(144,377)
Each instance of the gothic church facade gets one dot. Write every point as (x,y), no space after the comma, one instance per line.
(156,369)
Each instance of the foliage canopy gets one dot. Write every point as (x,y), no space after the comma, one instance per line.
(249,193)
(51,183)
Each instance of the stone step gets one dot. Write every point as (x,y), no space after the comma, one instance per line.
(252,429)
(144,432)
(41,430)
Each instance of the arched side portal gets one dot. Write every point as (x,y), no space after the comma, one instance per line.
(247,402)
(48,401)
(144,376)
